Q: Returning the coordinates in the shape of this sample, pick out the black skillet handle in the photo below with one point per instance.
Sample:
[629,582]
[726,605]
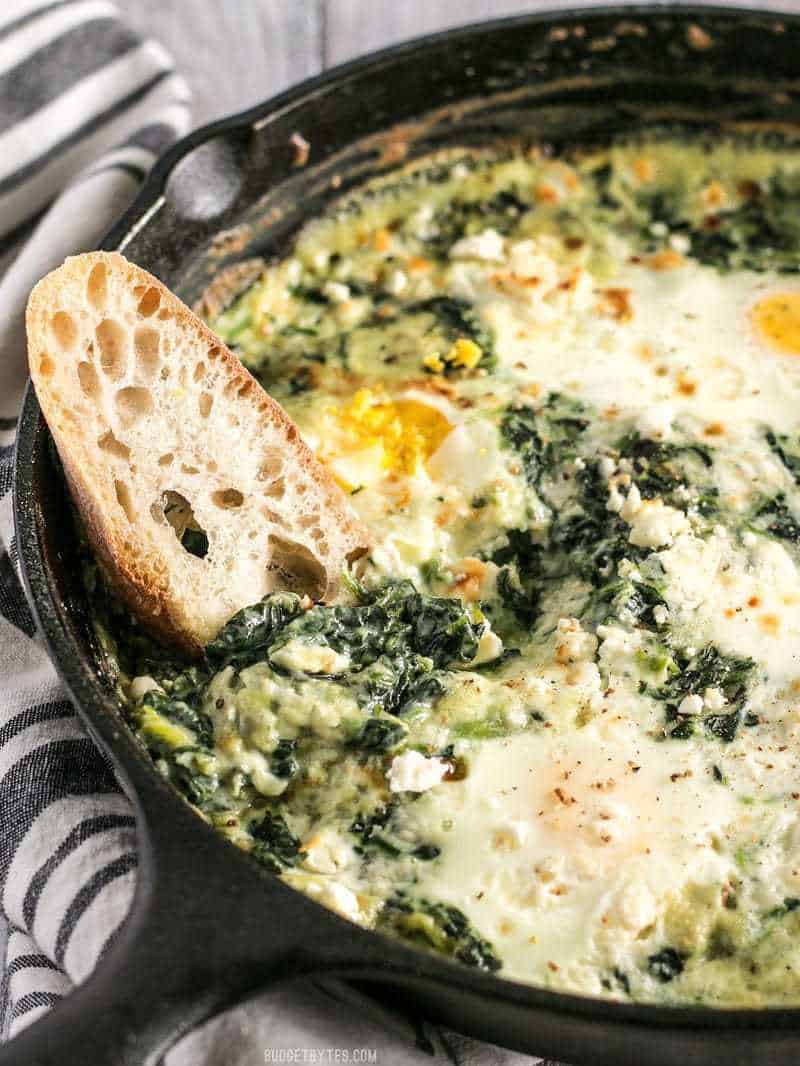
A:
[207,928]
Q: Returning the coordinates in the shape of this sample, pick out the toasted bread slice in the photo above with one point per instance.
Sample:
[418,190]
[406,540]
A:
[162,430]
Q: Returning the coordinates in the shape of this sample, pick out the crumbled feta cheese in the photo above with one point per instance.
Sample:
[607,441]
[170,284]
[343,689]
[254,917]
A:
[634,907]
[336,292]
[141,685]
[490,647]
[412,772]
[690,705]
[615,500]
[336,896]
[680,243]
[657,525]
[528,260]
[585,676]
[660,614]
[319,260]
[633,501]
[309,658]
[618,649]
[422,223]
[629,570]
[653,523]
[326,853]
[396,282]
[714,699]
[655,422]
[487,245]
[606,466]
[294,271]
[573,642]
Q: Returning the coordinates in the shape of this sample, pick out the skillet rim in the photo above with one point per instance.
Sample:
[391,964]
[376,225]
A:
[103,719]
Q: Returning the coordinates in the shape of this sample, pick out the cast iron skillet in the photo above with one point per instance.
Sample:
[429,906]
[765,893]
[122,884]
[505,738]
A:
[208,925]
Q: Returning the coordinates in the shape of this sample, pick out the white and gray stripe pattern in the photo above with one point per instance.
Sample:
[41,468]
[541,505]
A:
[86,107]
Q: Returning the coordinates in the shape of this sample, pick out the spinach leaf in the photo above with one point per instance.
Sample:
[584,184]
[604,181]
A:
[457,318]
[660,468]
[283,760]
[708,668]
[441,927]
[637,598]
[789,904]
[761,233]
[543,437]
[461,218]
[772,515]
[782,447]
[175,709]
[275,845]
[195,542]
[380,734]
[244,639]
[666,965]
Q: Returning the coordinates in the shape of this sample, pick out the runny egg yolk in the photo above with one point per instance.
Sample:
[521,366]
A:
[777,321]
[408,432]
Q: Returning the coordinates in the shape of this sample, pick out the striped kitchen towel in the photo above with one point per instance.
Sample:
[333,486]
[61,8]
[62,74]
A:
[85,108]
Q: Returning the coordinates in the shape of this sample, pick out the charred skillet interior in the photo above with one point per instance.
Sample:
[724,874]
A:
[209,926]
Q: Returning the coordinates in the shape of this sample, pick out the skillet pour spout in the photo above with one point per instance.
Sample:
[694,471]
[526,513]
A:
[209,926]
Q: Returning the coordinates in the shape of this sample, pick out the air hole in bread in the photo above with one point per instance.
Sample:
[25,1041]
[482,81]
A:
[211,466]
[164,373]
[214,353]
[164,314]
[64,330]
[295,568]
[272,516]
[166,459]
[199,371]
[47,366]
[178,512]
[243,391]
[87,376]
[132,404]
[205,403]
[276,490]
[146,344]
[109,443]
[227,498]
[97,286]
[123,492]
[186,468]
[149,302]
[112,340]
[271,466]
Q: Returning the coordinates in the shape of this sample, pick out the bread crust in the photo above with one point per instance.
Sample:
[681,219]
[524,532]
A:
[118,362]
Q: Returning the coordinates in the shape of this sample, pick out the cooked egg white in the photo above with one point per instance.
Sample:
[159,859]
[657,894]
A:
[606,830]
